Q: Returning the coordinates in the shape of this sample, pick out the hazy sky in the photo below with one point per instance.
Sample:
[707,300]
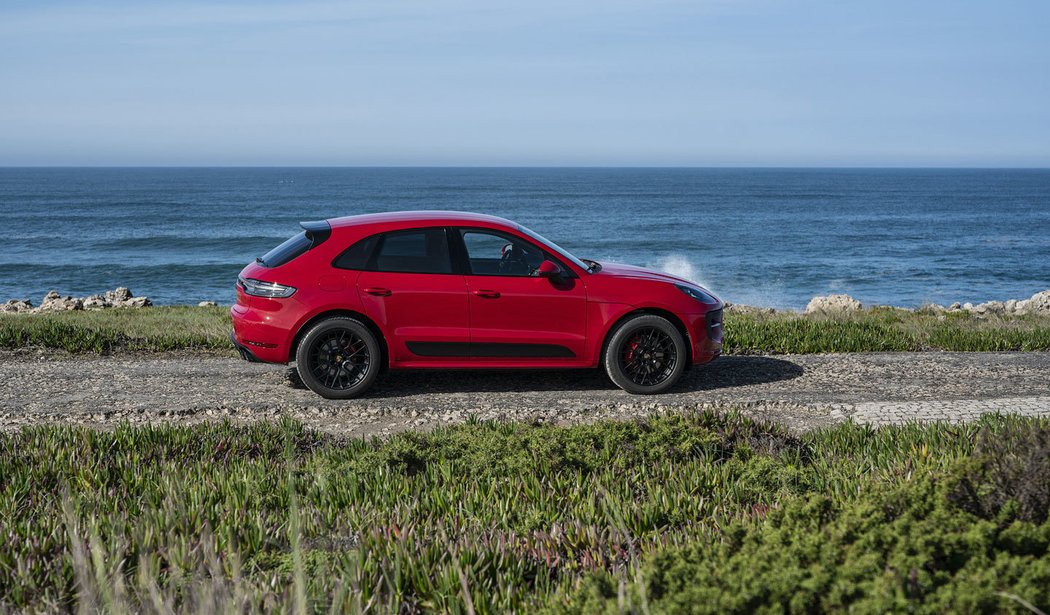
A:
[540,82]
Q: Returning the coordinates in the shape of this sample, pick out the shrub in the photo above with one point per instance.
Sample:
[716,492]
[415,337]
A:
[1011,470]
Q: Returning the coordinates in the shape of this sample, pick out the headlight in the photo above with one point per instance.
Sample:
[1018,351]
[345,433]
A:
[258,288]
[697,294]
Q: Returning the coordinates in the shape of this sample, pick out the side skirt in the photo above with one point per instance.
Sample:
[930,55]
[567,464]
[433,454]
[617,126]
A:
[489,349]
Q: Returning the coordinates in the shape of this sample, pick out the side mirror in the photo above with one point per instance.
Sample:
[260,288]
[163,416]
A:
[548,269]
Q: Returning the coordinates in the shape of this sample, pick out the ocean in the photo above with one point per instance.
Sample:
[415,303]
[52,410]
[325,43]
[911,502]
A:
[768,237]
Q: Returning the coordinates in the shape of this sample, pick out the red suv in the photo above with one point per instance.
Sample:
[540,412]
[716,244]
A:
[349,297]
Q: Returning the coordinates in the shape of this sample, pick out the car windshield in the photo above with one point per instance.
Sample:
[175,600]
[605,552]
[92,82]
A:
[555,247]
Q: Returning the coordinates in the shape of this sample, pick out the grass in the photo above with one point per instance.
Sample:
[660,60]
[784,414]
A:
[152,329]
[698,512]
[880,329]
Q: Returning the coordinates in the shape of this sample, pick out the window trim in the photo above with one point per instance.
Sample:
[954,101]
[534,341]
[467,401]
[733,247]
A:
[464,255]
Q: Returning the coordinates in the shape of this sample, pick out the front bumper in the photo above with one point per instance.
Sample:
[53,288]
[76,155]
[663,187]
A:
[705,333]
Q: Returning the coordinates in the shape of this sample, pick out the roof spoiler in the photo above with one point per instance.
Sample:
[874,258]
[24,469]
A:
[316,231]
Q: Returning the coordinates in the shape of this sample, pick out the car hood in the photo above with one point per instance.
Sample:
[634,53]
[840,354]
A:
[630,271]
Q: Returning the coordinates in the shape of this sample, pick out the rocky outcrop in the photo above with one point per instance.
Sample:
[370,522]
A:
[1037,305]
[833,304]
[17,305]
[737,308]
[54,302]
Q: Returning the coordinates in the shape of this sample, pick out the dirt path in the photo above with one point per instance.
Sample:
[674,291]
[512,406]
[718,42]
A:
[803,391]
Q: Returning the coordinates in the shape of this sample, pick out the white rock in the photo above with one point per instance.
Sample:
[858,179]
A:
[120,295]
[833,304]
[136,302]
[54,302]
[1039,304]
[95,302]
[207,304]
[17,305]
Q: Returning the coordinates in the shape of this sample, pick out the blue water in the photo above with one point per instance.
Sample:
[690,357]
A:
[772,237]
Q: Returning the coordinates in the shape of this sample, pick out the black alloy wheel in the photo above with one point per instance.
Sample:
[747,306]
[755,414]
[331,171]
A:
[645,354]
[648,356]
[338,358]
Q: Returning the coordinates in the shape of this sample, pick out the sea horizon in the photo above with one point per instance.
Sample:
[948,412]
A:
[765,236]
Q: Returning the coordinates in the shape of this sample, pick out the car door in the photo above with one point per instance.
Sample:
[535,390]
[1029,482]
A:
[412,291]
[515,315]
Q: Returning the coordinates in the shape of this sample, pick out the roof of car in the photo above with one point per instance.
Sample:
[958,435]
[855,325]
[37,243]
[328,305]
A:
[432,217]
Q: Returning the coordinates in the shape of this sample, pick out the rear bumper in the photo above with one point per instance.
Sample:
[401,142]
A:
[259,335]
[246,353]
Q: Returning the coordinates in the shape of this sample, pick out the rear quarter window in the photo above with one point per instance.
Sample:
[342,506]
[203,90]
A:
[357,255]
[288,251]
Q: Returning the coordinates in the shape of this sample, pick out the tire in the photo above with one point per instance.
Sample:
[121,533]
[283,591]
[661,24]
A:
[324,365]
[646,354]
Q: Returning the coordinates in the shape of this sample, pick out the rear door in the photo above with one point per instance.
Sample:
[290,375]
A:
[411,290]
[516,316]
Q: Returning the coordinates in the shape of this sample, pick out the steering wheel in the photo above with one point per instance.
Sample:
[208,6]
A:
[512,260]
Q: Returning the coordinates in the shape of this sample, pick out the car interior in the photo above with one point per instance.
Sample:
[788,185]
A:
[492,254]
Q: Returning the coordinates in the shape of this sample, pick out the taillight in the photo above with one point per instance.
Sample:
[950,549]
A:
[258,288]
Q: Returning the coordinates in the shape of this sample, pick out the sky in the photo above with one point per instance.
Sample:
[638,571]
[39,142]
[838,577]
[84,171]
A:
[537,83]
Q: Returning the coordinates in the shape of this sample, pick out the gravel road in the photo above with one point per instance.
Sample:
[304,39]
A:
[801,391]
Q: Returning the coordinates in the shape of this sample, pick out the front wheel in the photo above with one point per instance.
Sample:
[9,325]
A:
[338,358]
[646,354]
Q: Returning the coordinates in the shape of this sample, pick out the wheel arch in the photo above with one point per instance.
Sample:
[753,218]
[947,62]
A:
[670,316]
[365,320]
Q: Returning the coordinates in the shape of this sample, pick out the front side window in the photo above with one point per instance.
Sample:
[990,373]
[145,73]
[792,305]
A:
[415,251]
[491,253]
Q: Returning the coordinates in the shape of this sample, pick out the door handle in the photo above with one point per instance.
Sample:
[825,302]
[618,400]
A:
[487,294]
[379,292]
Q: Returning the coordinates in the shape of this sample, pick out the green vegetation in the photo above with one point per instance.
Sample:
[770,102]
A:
[176,328]
[697,512]
[882,329]
[104,331]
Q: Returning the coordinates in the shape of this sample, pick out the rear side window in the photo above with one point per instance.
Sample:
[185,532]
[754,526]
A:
[415,251]
[286,252]
[357,255]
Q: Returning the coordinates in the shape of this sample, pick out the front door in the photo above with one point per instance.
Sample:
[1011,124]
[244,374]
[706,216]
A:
[516,316]
[412,293]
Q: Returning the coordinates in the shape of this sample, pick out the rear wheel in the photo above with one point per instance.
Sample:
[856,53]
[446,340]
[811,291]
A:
[338,358]
[646,354]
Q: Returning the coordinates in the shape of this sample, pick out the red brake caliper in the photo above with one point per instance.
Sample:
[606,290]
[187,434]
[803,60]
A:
[632,345]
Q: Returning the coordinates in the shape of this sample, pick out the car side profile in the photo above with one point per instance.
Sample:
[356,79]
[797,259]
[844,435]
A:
[348,298]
